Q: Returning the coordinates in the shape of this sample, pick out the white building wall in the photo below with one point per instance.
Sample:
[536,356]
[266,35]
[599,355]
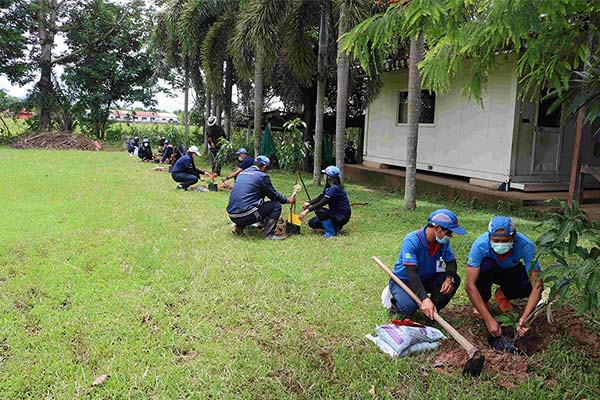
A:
[465,139]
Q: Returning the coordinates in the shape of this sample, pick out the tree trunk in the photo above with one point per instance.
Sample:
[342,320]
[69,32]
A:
[206,115]
[227,101]
[258,102]
[218,109]
[321,85]
[309,95]
[186,109]
[414,115]
[341,103]
[46,31]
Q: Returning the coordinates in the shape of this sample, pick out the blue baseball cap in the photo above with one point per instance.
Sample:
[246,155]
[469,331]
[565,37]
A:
[501,223]
[146,140]
[331,171]
[263,160]
[446,219]
[241,151]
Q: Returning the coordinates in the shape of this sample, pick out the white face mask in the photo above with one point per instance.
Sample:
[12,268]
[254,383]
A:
[444,239]
[502,248]
[240,158]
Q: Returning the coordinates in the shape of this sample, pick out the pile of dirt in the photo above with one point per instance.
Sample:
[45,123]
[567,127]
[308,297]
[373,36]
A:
[512,369]
[58,141]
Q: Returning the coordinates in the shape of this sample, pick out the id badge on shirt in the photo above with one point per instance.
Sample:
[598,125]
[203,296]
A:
[440,265]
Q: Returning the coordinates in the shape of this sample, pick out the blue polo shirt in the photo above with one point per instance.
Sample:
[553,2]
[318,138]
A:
[416,251]
[339,205]
[523,250]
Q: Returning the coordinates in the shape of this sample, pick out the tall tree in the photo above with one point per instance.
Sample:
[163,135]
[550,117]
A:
[321,84]
[116,70]
[351,12]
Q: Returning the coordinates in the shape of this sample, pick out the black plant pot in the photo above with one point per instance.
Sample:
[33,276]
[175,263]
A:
[212,187]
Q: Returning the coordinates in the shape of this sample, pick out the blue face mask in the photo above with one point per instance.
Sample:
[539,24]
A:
[502,248]
[444,240]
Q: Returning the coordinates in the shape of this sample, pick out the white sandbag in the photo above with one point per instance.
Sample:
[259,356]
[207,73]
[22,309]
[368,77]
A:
[399,341]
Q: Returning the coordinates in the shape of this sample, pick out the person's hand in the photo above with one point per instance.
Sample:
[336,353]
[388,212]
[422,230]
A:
[291,200]
[447,286]
[305,205]
[493,327]
[521,328]
[428,308]
[302,215]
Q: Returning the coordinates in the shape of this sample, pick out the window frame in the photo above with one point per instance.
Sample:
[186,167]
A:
[424,124]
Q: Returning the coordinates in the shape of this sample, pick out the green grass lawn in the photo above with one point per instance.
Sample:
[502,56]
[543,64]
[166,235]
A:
[106,269]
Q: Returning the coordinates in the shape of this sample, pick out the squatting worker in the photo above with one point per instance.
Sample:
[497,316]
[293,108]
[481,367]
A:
[504,257]
[185,172]
[246,201]
[330,219]
[427,265]
[245,161]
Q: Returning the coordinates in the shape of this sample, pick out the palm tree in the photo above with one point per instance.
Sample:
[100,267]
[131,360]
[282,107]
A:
[351,13]
[321,83]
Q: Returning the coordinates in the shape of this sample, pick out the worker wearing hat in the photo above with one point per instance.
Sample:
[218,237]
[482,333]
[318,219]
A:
[427,265]
[214,133]
[246,202]
[133,145]
[330,219]
[245,162]
[504,257]
[145,151]
[184,170]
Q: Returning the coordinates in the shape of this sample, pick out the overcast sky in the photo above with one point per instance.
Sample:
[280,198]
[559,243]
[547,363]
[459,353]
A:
[164,102]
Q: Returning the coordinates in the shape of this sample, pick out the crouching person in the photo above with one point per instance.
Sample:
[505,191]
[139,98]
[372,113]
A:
[246,201]
[428,266]
[330,219]
[502,256]
[184,170]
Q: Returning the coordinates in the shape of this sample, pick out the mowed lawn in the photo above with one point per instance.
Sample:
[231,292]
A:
[106,269]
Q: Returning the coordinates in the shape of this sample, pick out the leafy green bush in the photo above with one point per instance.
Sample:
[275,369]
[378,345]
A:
[574,248]
[226,154]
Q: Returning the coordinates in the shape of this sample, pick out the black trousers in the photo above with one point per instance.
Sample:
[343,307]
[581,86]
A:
[514,281]
[323,214]
[185,179]
[269,209]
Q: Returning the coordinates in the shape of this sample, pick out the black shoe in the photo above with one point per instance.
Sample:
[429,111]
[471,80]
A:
[236,230]
[269,229]
[179,187]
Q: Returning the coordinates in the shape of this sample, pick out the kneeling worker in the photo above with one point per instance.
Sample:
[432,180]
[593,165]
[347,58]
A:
[504,257]
[245,162]
[246,202]
[427,265]
[184,170]
[330,219]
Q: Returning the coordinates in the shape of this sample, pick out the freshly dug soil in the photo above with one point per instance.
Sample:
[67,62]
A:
[512,369]
[58,141]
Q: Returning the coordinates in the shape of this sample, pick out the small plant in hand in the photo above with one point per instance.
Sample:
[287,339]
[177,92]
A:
[292,149]
[510,320]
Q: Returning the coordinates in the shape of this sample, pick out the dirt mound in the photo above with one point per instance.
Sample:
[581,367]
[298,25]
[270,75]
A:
[512,369]
[58,141]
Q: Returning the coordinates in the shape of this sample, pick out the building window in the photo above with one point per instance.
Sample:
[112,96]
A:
[427,107]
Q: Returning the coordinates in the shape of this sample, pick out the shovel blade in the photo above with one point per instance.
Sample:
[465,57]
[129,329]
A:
[474,365]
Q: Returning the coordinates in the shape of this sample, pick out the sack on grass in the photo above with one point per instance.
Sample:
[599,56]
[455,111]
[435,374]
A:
[400,341]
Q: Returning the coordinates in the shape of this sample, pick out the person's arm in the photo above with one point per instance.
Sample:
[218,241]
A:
[317,199]
[475,297]
[449,282]
[414,282]
[271,193]
[324,200]
[234,174]
[536,286]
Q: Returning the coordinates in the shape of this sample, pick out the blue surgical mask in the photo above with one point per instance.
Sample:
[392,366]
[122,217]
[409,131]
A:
[444,240]
[502,248]
[240,158]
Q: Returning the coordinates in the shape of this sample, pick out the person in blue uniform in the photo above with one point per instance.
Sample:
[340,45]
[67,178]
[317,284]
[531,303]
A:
[333,218]
[245,161]
[184,170]
[246,202]
[145,150]
[133,145]
[428,266]
[167,152]
[504,257]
